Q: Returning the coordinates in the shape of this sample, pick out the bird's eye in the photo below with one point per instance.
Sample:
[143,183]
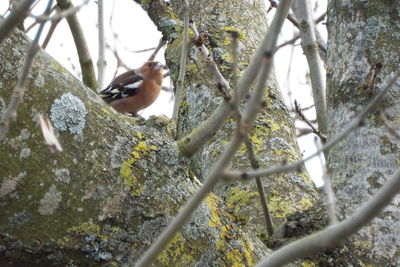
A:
[149,65]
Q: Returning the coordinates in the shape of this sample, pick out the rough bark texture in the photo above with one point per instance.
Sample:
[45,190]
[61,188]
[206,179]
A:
[362,35]
[109,193]
[273,135]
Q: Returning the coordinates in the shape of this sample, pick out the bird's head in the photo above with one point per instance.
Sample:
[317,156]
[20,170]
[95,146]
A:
[152,69]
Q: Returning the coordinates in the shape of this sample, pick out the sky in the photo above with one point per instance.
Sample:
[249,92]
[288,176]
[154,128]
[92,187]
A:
[128,28]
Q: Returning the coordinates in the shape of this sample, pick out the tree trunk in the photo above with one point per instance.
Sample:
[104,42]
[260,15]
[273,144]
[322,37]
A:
[112,190]
[363,43]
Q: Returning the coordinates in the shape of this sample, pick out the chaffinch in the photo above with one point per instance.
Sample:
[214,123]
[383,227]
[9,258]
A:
[135,89]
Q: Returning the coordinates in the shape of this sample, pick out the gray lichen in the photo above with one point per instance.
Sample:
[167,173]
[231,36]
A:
[62,175]
[68,113]
[50,202]
[2,105]
[25,152]
[9,185]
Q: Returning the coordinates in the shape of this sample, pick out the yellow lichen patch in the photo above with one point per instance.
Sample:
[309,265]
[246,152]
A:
[236,256]
[362,244]
[131,182]
[175,252]
[273,125]
[257,143]
[305,203]
[279,207]
[85,228]
[238,198]
[241,36]
[305,177]
[308,264]
[106,111]
[215,220]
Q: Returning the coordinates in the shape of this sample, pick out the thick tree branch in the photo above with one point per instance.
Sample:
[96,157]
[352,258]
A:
[217,170]
[334,234]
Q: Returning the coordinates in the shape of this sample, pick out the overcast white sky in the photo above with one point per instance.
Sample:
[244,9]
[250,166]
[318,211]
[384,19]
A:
[135,32]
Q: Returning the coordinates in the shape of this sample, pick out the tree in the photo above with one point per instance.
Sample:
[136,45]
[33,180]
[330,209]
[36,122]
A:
[119,180]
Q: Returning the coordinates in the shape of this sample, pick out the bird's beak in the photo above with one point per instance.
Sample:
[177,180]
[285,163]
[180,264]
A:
[158,66]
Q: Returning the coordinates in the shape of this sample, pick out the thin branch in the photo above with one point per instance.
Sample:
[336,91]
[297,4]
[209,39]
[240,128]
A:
[182,66]
[392,130]
[289,42]
[16,98]
[143,50]
[189,144]
[16,16]
[85,60]
[36,22]
[321,43]
[101,62]
[263,199]
[211,65]
[60,15]
[303,118]
[161,43]
[235,76]
[327,188]
[218,168]
[302,10]
[334,234]
[355,123]
[53,27]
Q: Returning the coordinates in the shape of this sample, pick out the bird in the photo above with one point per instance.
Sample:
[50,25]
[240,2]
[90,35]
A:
[135,89]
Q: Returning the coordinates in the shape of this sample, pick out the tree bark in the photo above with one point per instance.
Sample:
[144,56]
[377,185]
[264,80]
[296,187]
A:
[112,190]
[362,51]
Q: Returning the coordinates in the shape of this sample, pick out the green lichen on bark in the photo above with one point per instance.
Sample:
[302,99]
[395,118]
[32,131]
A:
[362,45]
[81,206]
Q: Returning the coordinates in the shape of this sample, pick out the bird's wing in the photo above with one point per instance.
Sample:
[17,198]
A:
[124,85]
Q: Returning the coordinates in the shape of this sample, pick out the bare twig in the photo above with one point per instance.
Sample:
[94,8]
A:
[16,98]
[334,234]
[211,65]
[161,43]
[182,66]
[302,10]
[321,43]
[235,73]
[143,50]
[36,22]
[101,62]
[85,60]
[16,16]
[53,27]
[60,15]
[392,130]
[327,188]
[189,144]
[288,42]
[351,126]
[263,199]
[217,170]
[303,118]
